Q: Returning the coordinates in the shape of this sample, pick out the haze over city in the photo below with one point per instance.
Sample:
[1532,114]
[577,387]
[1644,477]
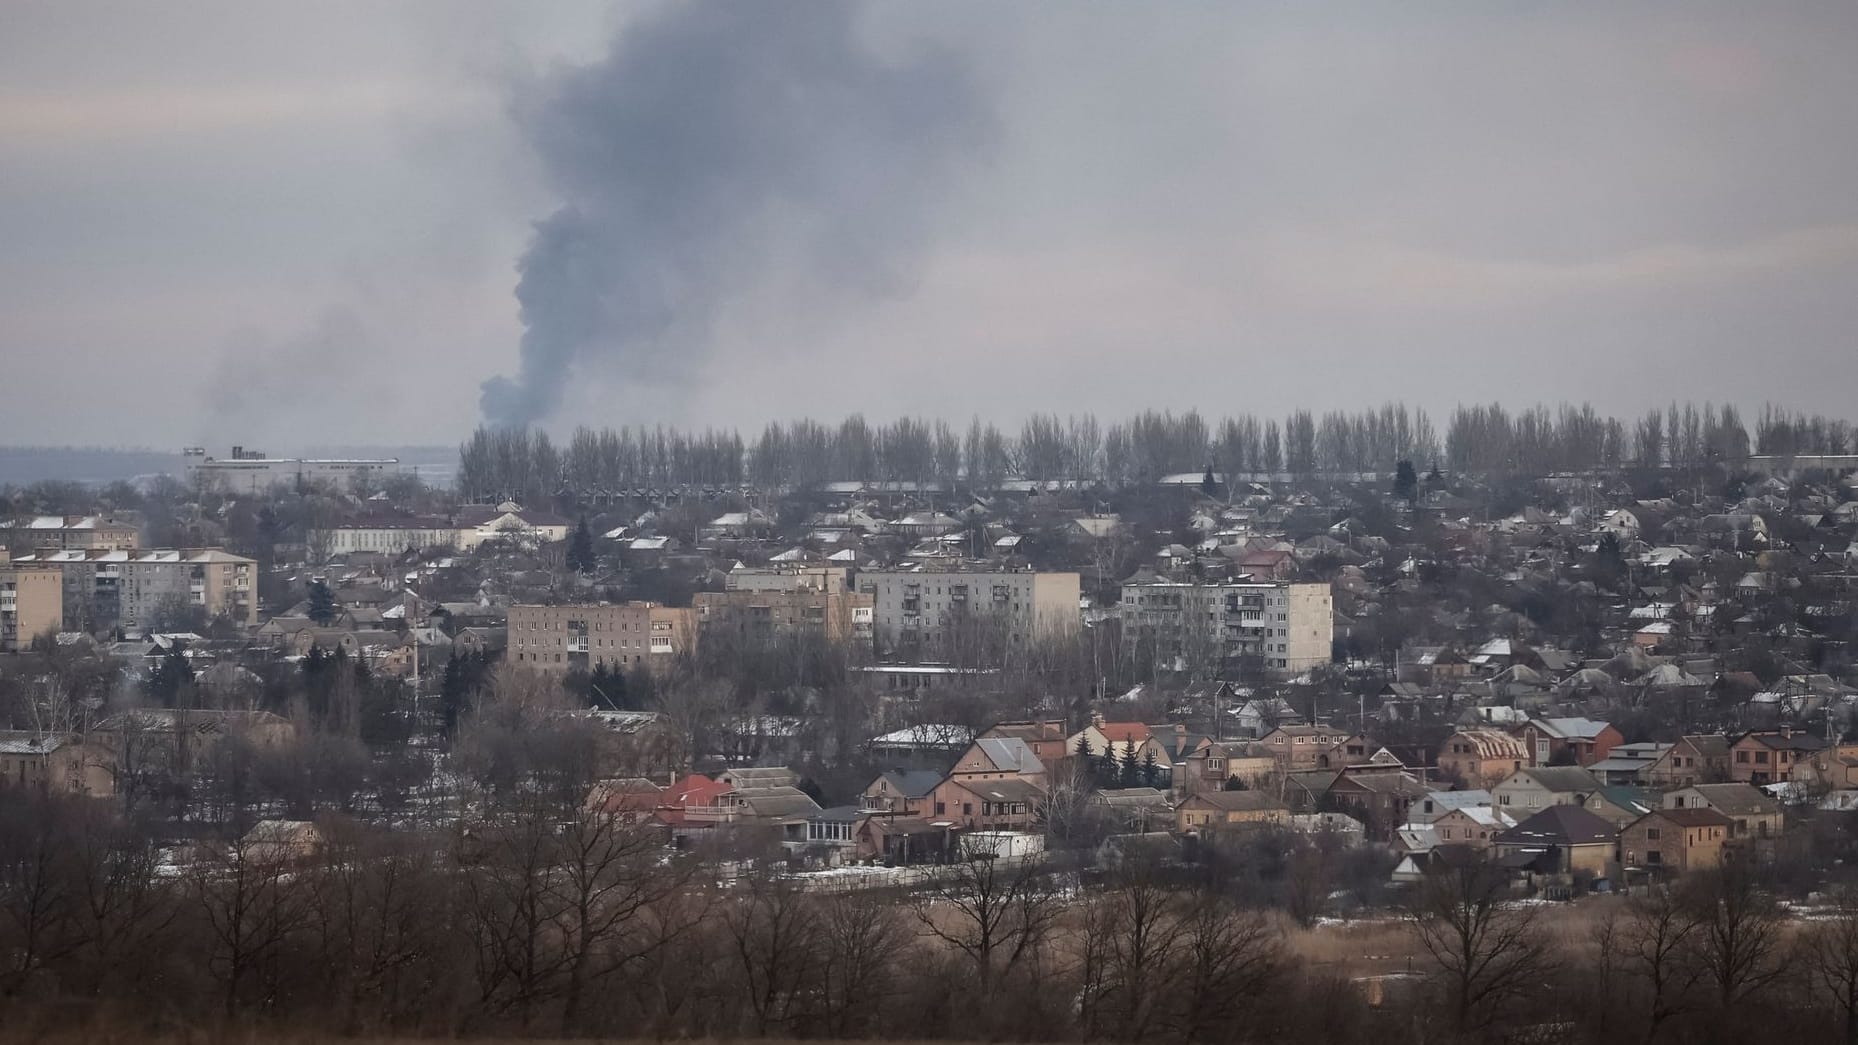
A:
[297,225]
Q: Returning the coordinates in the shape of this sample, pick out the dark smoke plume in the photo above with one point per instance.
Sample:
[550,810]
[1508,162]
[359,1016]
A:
[714,141]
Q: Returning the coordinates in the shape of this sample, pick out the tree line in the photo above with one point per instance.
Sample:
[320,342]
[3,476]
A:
[527,463]
[535,919]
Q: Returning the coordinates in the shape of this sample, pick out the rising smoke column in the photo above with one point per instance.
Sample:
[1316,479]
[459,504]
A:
[713,141]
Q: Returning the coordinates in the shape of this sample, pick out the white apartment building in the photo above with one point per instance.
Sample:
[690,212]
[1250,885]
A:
[1288,627]
[917,605]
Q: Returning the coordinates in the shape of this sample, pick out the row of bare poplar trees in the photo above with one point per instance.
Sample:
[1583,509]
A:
[501,462]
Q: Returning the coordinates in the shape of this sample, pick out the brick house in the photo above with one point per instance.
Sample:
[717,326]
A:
[1752,814]
[1217,809]
[1675,841]
[1772,757]
[1481,757]
[1694,759]
[1567,741]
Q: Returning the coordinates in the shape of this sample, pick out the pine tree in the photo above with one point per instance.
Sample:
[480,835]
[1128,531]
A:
[581,558]
[1208,485]
[170,675]
[1132,770]
[1406,482]
[1085,760]
[1151,769]
[323,609]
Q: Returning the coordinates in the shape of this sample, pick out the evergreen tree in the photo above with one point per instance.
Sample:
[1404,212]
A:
[1406,482]
[1151,769]
[581,558]
[1132,770]
[323,609]
[171,674]
[1107,771]
[1084,758]
[1208,485]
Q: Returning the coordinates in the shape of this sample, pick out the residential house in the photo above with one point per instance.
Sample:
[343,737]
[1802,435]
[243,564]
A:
[1675,841]
[1215,810]
[1694,759]
[983,801]
[1630,765]
[281,841]
[1381,798]
[999,757]
[1568,741]
[900,791]
[1481,757]
[1047,740]
[1474,826]
[1774,757]
[1138,809]
[1621,804]
[1532,789]
[1559,840]
[1298,748]
[630,800]
[1436,804]
[1752,813]
[832,834]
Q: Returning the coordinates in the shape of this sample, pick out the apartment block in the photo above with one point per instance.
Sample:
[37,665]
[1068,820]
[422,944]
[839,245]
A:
[622,636]
[106,589]
[68,532]
[31,602]
[789,577]
[1286,627]
[918,606]
[839,615]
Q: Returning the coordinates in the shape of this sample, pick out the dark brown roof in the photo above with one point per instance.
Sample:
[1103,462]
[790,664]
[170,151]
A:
[1693,817]
[1239,801]
[1560,825]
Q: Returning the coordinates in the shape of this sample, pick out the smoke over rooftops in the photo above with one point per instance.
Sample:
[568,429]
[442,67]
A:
[713,141]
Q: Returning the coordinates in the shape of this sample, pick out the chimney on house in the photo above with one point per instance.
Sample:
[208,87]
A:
[1096,719]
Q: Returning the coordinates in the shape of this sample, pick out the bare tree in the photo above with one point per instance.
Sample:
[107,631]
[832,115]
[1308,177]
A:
[995,911]
[1658,943]
[1488,950]
[610,875]
[1828,951]
[862,943]
[774,939]
[37,906]
[1739,932]
[251,909]
[1223,960]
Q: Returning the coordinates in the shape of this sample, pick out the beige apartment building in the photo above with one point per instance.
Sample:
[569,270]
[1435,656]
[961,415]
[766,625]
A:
[31,602]
[622,636]
[841,616]
[1287,627]
[105,589]
[66,532]
[918,606]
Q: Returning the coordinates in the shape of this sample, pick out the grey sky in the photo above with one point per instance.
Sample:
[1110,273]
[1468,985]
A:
[287,224]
